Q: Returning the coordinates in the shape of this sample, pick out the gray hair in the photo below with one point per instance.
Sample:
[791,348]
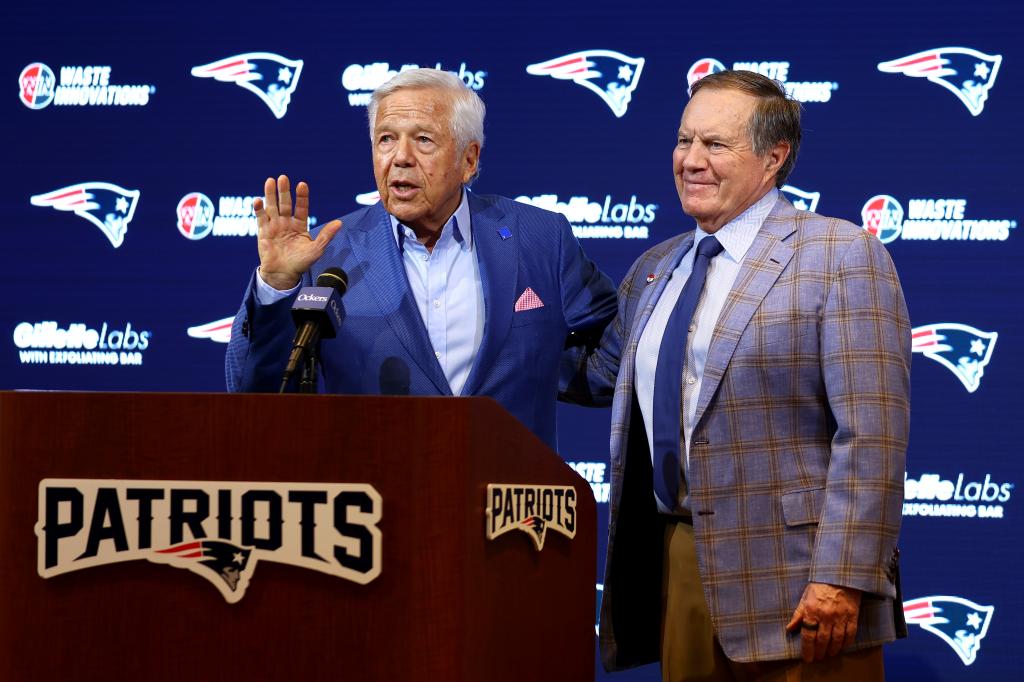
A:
[776,116]
[467,115]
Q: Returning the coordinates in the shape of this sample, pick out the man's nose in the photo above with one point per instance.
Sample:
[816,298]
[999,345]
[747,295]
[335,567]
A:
[403,152]
[696,157]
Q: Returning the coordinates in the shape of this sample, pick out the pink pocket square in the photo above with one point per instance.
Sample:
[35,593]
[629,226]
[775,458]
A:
[528,301]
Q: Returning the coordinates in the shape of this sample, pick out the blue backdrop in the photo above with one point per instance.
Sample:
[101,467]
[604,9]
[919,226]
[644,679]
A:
[139,133]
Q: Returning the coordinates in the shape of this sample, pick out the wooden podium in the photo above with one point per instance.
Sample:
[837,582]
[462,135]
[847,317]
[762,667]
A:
[447,603]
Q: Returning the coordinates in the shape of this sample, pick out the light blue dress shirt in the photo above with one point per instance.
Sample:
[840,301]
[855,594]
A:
[446,285]
[736,237]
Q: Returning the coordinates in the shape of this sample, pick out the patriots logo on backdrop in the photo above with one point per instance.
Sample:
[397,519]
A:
[218,331]
[801,200]
[958,622]
[701,68]
[612,76]
[963,350]
[103,204]
[226,565]
[368,198]
[966,73]
[270,77]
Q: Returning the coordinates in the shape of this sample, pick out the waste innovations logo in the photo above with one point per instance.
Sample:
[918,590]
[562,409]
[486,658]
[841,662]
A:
[601,219]
[958,622]
[107,206]
[269,76]
[47,343]
[218,331]
[86,86]
[963,71]
[360,80]
[610,75]
[958,497]
[929,220]
[594,473]
[230,216]
[217,530]
[801,91]
[963,350]
[801,200]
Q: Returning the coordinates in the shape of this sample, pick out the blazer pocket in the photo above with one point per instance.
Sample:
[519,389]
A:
[536,316]
[762,335]
[802,507]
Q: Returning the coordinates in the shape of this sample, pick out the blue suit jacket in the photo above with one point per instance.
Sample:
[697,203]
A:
[383,346]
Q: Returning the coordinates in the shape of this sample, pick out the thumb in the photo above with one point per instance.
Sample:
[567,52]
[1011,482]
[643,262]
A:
[327,232]
[798,616]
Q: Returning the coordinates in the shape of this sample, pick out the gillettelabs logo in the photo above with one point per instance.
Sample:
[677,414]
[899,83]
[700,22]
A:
[801,91]
[270,77]
[78,86]
[362,79]
[610,75]
[929,220]
[958,622]
[47,343]
[962,349]
[105,205]
[605,220]
[933,496]
[963,71]
[218,530]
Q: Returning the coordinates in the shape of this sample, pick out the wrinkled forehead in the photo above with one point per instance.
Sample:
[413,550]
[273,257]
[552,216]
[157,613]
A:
[414,104]
[722,111]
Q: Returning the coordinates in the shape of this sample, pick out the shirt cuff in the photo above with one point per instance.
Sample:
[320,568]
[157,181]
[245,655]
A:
[268,295]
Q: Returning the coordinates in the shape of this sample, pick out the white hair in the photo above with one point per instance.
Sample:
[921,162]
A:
[467,115]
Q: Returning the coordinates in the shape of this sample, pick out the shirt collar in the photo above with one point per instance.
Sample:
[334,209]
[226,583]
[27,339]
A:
[738,234]
[459,226]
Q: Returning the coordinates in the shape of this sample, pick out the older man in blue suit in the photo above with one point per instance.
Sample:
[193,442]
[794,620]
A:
[759,372]
[450,293]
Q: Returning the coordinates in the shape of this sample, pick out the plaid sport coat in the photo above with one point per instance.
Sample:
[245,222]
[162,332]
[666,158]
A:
[797,456]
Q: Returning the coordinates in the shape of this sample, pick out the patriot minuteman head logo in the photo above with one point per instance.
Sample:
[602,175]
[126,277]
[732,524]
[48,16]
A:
[610,75]
[270,77]
[958,622]
[966,73]
[963,350]
[228,566]
[103,204]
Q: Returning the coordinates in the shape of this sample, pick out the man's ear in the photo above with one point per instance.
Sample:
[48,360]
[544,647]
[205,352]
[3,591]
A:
[776,156]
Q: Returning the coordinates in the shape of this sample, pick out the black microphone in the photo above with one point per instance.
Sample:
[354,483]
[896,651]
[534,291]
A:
[318,314]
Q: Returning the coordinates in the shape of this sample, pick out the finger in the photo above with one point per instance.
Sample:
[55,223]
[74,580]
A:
[794,622]
[327,233]
[807,638]
[270,197]
[284,196]
[838,640]
[824,634]
[261,216]
[302,201]
[851,633]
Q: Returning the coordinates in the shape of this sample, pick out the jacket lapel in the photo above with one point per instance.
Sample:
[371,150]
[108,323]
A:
[380,263]
[499,267]
[764,262]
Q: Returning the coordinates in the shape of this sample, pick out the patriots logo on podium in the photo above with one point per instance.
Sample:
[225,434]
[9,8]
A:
[612,76]
[801,200]
[966,73]
[218,331]
[958,622]
[963,350]
[103,204]
[224,564]
[270,77]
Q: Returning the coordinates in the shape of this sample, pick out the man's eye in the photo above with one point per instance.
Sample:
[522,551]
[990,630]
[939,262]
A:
[386,138]
[684,142]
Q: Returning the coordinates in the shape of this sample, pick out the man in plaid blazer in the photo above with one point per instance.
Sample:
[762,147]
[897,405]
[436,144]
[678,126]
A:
[781,543]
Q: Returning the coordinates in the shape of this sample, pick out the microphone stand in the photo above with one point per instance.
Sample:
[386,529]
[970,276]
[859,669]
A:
[308,380]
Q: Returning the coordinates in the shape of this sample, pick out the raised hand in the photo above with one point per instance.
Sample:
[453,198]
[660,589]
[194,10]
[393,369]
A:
[285,246]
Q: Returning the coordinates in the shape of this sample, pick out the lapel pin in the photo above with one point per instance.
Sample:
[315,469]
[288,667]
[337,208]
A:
[651,277]
[505,233]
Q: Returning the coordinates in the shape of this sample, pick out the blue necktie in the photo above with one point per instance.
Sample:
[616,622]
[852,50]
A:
[668,377]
